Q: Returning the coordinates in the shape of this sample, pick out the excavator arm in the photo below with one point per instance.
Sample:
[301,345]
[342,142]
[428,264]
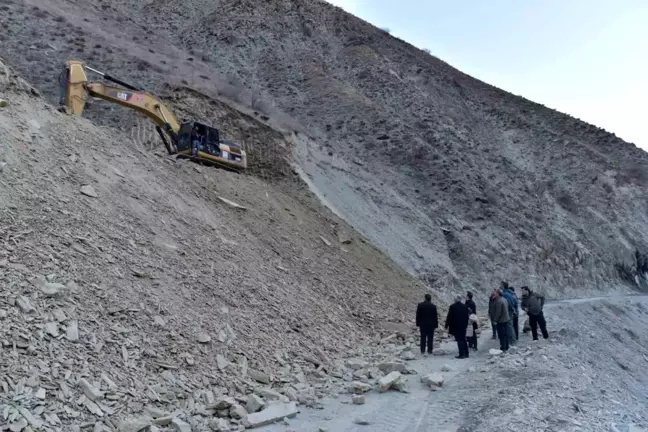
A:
[76,89]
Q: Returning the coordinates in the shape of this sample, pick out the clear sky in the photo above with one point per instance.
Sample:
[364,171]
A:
[588,58]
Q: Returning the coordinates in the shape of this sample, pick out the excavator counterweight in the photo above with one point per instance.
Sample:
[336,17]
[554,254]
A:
[193,140]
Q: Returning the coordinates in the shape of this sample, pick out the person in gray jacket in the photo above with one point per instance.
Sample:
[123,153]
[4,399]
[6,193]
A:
[500,317]
[533,303]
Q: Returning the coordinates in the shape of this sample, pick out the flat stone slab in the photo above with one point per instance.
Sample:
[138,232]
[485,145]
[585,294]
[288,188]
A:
[272,414]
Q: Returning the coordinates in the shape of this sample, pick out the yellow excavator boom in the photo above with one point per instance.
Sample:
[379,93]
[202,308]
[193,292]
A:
[78,88]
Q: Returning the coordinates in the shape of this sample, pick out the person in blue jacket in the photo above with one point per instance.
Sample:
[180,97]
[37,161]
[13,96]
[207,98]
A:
[512,309]
[516,312]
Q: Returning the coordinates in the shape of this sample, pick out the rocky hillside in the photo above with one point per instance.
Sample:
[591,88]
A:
[461,183]
[132,280]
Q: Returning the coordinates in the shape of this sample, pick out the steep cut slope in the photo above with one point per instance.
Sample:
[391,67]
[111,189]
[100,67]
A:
[461,183]
[119,261]
[458,178]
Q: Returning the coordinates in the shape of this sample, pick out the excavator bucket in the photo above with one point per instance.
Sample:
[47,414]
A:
[73,93]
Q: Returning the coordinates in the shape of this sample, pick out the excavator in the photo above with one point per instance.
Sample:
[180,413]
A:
[189,140]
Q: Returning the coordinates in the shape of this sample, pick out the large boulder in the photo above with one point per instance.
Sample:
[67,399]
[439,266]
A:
[359,387]
[433,380]
[385,383]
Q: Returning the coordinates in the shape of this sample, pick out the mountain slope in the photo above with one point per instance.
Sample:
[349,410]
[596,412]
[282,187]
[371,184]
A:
[125,262]
[461,183]
[458,178]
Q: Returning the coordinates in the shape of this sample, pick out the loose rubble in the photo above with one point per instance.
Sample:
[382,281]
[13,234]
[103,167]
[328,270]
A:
[126,304]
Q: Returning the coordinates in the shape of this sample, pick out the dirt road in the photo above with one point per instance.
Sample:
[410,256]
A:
[417,411]
[551,385]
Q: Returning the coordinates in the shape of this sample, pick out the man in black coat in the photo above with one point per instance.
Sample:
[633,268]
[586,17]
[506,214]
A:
[427,321]
[457,323]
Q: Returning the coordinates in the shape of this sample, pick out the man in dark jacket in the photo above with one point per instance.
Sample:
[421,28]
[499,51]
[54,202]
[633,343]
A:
[427,321]
[472,307]
[456,323]
[500,317]
[533,303]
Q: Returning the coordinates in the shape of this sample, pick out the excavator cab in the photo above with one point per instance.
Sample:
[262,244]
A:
[199,141]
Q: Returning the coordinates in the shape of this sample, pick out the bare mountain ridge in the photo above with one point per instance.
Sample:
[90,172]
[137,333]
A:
[461,183]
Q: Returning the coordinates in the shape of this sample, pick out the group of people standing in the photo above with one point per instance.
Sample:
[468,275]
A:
[462,322]
[504,313]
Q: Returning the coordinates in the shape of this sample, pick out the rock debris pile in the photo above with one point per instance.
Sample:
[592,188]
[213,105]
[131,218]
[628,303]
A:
[52,386]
